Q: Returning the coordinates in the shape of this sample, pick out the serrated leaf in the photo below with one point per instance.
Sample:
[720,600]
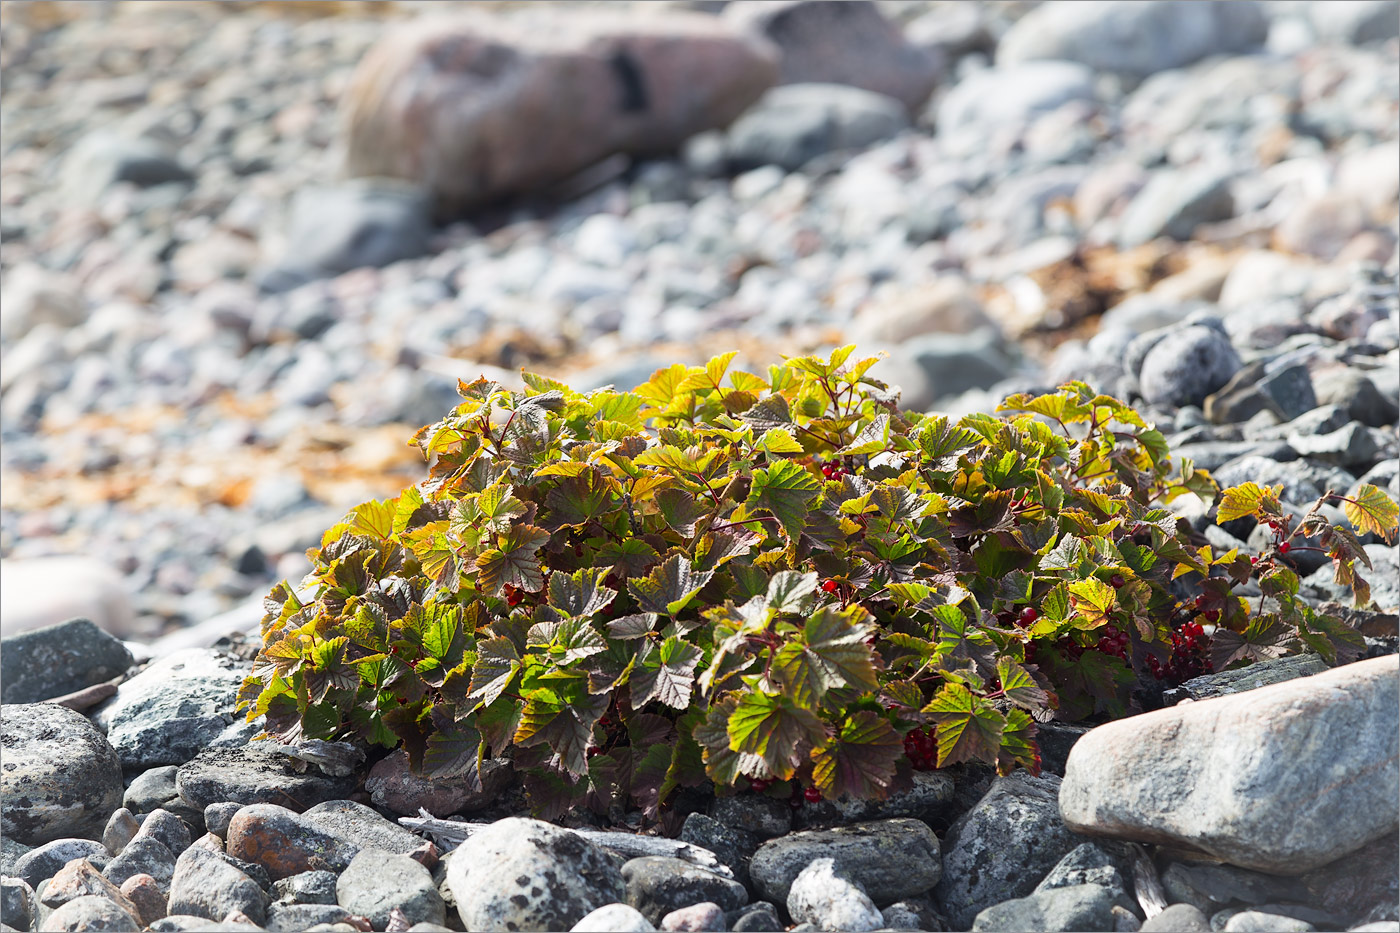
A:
[453,752]
[778,441]
[580,593]
[1093,600]
[513,562]
[1248,499]
[637,625]
[791,591]
[785,491]
[498,507]
[775,729]
[722,763]
[873,438]
[577,500]
[563,723]
[680,510]
[768,414]
[968,728]
[716,548]
[669,586]
[497,661]
[1370,509]
[831,653]
[1018,745]
[1019,687]
[859,760]
[665,673]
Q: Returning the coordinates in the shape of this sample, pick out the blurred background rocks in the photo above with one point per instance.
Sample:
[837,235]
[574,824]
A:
[247,248]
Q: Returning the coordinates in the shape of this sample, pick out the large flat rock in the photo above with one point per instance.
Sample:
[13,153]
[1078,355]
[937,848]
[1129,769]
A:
[1282,779]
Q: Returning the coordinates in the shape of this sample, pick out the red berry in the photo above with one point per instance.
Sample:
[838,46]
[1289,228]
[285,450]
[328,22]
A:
[758,785]
[1254,560]
[830,586]
[1212,615]
[1201,601]
[813,795]
[1284,547]
[1029,615]
[1111,631]
[1117,581]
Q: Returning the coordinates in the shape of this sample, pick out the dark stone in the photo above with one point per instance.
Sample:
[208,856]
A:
[657,885]
[57,660]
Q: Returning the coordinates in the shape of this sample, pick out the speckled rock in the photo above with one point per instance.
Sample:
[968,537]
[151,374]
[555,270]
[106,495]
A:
[360,826]
[58,659]
[657,885]
[890,859]
[91,912]
[377,883]
[613,918]
[60,777]
[521,874]
[255,773]
[147,896]
[1187,365]
[1002,847]
[1077,907]
[829,900]
[43,862]
[1282,779]
[172,710]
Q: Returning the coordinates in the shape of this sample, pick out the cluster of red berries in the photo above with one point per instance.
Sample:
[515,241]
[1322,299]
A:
[1189,656]
[830,586]
[833,471]
[921,750]
[1113,642]
[809,794]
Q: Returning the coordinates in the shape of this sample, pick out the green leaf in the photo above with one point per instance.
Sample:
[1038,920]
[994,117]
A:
[1370,509]
[666,673]
[784,490]
[513,561]
[577,500]
[872,439]
[831,653]
[564,723]
[626,558]
[722,763]
[669,586]
[498,508]
[775,729]
[1018,745]
[1020,688]
[778,441]
[968,727]
[859,760]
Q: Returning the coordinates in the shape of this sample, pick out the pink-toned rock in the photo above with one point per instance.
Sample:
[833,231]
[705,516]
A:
[1321,227]
[1282,779]
[144,893]
[477,108]
[80,879]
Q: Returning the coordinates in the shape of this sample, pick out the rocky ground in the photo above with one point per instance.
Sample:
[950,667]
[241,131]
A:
[213,343]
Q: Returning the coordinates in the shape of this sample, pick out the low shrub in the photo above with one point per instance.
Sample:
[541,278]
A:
[720,577]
